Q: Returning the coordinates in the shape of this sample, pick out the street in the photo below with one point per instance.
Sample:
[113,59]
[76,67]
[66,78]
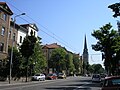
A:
[71,83]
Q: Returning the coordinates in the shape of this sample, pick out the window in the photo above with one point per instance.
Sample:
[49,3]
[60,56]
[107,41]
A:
[1,46]
[20,39]
[31,33]
[3,31]
[10,32]
[4,16]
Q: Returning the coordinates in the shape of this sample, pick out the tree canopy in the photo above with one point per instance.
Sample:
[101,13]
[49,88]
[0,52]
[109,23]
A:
[106,43]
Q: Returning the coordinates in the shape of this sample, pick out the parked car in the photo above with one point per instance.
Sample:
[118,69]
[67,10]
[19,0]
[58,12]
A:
[39,77]
[96,78]
[111,83]
[62,75]
[51,76]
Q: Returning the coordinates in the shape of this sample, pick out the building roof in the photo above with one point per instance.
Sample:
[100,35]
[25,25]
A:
[30,25]
[5,8]
[52,46]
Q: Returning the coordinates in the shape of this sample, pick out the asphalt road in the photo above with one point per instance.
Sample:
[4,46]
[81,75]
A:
[71,83]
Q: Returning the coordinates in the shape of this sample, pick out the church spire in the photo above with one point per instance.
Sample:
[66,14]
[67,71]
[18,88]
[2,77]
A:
[85,51]
[85,57]
[85,46]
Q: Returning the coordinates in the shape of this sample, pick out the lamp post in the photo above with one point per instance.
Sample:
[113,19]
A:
[12,46]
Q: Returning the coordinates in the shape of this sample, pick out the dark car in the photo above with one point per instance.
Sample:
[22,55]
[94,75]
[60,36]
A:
[96,78]
[111,83]
[51,76]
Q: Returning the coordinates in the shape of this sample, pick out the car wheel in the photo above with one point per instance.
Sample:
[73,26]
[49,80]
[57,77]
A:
[43,79]
[39,79]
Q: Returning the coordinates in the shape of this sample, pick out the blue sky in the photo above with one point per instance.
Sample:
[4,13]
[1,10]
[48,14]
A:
[66,21]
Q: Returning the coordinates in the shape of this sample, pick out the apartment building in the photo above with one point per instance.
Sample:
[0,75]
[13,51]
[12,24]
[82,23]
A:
[12,34]
[48,48]
[5,16]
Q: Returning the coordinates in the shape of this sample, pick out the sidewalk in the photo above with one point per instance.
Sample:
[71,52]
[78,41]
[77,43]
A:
[6,83]
[14,82]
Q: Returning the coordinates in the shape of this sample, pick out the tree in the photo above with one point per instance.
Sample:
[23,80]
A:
[27,49]
[77,64]
[3,70]
[57,60]
[16,63]
[69,63]
[105,42]
[38,61]
[98,68]
[116,9]
[91,69]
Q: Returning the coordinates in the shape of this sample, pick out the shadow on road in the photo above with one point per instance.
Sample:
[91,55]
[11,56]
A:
[78,86]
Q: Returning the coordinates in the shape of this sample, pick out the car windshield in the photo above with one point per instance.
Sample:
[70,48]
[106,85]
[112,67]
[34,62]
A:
[37,74]
[60,73]
[50,74]
[96,76]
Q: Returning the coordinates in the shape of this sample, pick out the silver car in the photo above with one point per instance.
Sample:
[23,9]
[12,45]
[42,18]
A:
[38,77]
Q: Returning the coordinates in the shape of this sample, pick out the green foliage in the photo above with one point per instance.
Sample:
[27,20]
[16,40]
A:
[16,63]
[77,63]
[3,70]
[27,47]
[116,9]
[96,68]
[69,63]
[57,59]
[38,60]
[106,43]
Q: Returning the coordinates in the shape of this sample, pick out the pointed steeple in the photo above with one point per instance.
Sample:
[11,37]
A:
[85,46]
[85,57]
[85,51]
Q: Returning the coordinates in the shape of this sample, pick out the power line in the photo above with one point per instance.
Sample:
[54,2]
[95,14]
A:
[63,41]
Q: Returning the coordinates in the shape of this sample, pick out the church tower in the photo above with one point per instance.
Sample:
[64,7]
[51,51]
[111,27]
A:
[85,57]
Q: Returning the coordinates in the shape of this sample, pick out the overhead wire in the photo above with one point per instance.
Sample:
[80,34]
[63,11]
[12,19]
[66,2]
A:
[63,41]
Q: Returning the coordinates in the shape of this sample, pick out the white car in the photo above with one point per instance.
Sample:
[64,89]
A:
[38,77]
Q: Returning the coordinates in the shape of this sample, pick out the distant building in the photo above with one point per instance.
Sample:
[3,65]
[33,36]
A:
[85,57]
[47,50]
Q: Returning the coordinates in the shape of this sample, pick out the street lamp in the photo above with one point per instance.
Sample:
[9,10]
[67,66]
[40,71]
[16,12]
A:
[12,46]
